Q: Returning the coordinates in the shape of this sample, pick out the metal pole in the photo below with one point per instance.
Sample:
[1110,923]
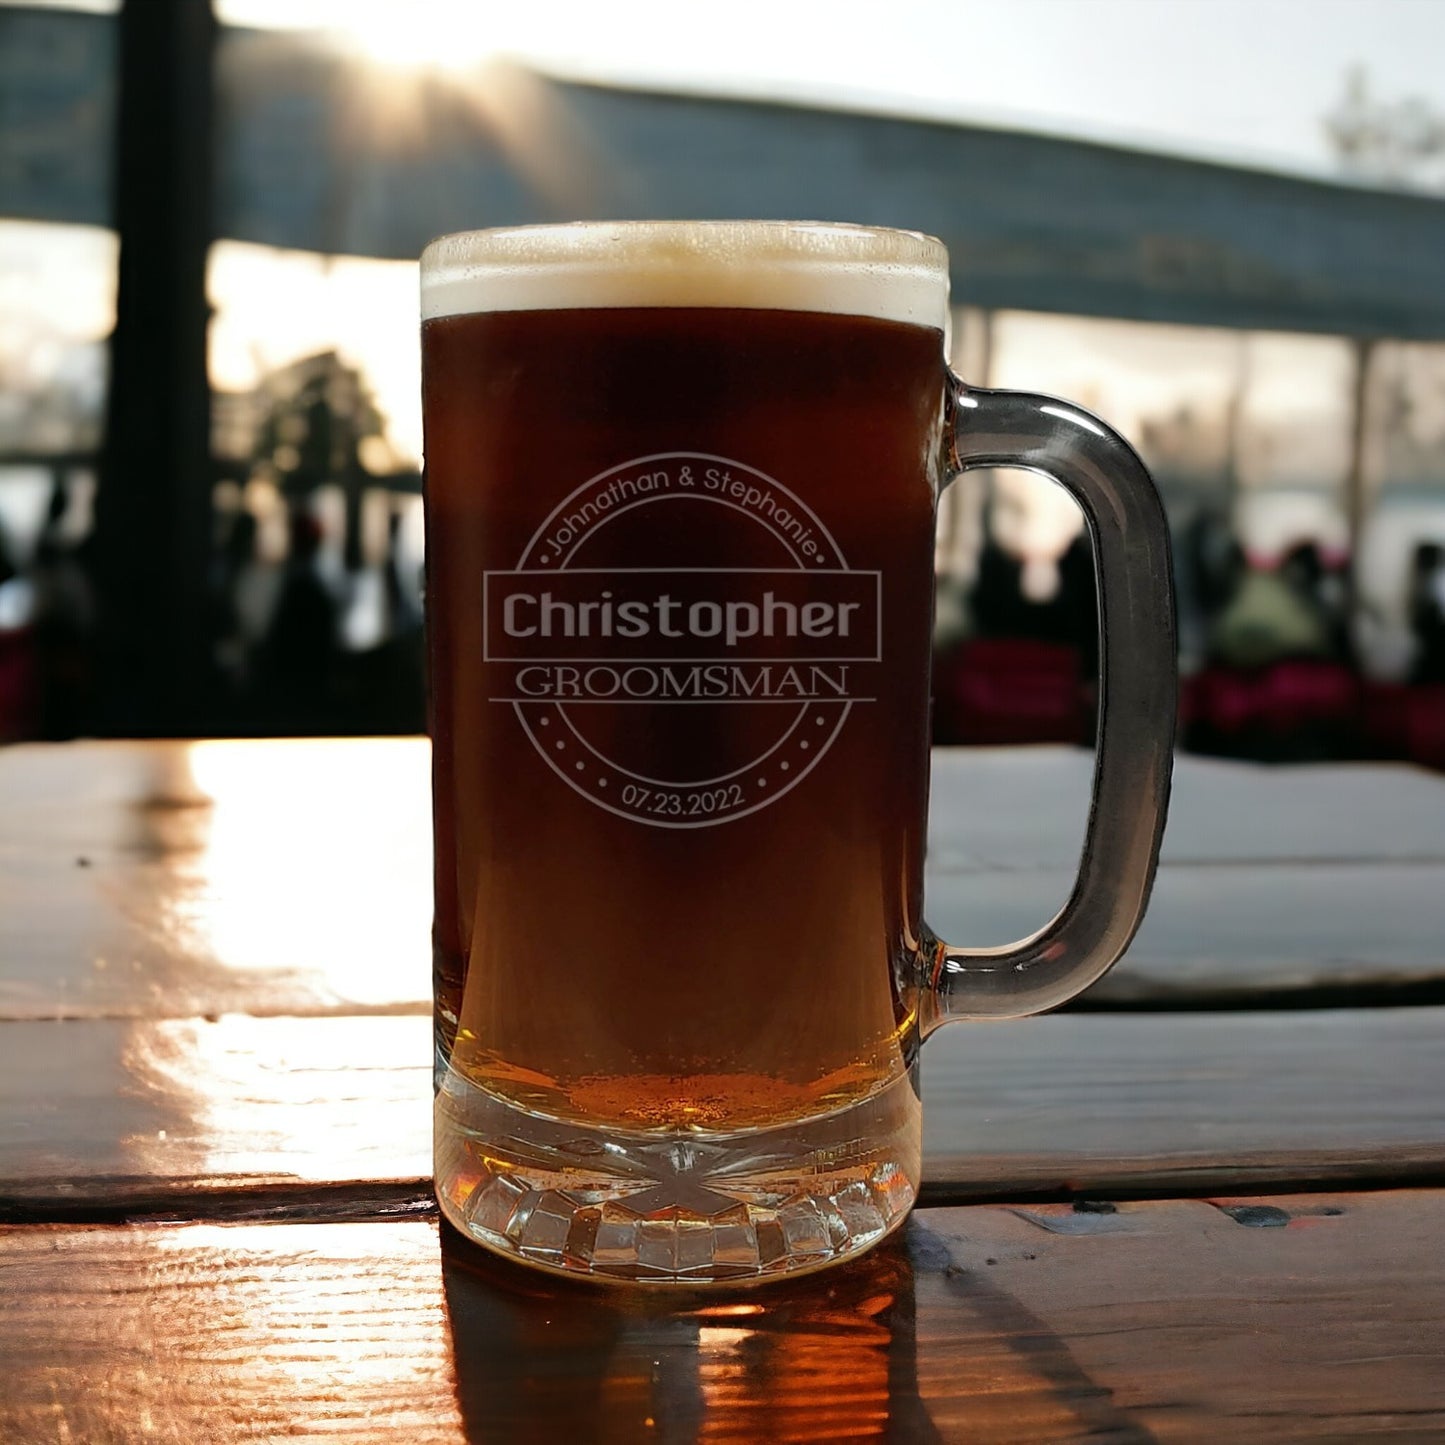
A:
[153,506]
[1356,483]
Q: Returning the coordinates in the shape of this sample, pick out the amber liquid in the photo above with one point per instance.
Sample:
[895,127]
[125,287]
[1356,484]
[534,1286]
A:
[589,966]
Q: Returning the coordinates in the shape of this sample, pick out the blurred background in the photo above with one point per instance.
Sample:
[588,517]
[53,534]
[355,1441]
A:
[1221,225]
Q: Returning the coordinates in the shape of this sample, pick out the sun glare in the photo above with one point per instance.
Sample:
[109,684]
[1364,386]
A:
[453,35]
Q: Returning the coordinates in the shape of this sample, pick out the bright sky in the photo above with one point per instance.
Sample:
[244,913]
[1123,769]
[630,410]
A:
[1245,79]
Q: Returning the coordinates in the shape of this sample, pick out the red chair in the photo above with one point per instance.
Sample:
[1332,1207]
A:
[992,690]
[1426,725]
[1295,696]
[1385,708]
[1296,708]
[19,685]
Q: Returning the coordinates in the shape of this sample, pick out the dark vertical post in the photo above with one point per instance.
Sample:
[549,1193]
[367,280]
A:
[1356,482]
[153,507]
[1234,424]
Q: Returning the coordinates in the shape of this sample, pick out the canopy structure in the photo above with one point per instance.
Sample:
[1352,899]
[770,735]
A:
[315,151]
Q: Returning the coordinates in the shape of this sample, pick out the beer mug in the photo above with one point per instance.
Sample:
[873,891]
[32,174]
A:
[681,487]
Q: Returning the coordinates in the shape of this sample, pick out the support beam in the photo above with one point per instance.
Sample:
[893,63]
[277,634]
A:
[153,507]
[1357,483]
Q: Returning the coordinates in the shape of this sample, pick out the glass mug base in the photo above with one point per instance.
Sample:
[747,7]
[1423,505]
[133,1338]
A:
[678,1206]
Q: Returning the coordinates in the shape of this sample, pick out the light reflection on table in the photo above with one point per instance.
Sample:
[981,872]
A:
[282,1098]
[308,838]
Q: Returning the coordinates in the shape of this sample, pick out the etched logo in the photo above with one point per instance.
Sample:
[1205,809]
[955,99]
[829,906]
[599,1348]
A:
[666,687]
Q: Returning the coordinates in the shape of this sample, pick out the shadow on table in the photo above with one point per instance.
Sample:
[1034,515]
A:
[829,1357]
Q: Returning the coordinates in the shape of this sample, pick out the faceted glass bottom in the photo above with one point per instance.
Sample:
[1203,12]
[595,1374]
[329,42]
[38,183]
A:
[676,1207]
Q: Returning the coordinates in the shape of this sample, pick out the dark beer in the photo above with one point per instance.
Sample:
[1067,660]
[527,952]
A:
[721,976]
[679,563]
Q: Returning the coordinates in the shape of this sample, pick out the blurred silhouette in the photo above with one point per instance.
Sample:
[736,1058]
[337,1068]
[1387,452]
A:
[1409,721]
[8,570]
[403,593]
[296,670]
[64,622]
[1324,586]
[314,613]
[1021,667]
[1270,617]
[1278,684]
[1427,612]
[1214,558]
[19,673]
[235,556]
[397,665]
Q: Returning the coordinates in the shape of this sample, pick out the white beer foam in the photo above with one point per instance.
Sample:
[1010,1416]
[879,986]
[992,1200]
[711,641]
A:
[764,265]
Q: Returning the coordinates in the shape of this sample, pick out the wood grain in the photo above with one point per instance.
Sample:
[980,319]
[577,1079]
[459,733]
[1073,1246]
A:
[1317,1317]
[167,880]
[1024,808]
[1232,933]
[1293,1318]
[107,1118]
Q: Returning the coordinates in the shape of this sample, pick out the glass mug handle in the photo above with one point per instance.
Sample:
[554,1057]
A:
[1138,699]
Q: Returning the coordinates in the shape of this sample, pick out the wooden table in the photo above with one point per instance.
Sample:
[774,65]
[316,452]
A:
[1207,1206]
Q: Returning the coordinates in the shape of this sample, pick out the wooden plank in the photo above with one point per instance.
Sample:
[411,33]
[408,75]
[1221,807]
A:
[177,879]
[1226,935]
[139,1111]
[1006,809]
[1319,1317]
[1079,1103]
[172,879]
[1160,1321]
[108,1117]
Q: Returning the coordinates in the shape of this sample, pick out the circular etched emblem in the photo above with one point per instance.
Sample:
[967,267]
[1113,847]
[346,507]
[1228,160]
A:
[656,679]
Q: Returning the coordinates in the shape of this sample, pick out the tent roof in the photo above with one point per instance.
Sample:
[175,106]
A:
[316,154]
